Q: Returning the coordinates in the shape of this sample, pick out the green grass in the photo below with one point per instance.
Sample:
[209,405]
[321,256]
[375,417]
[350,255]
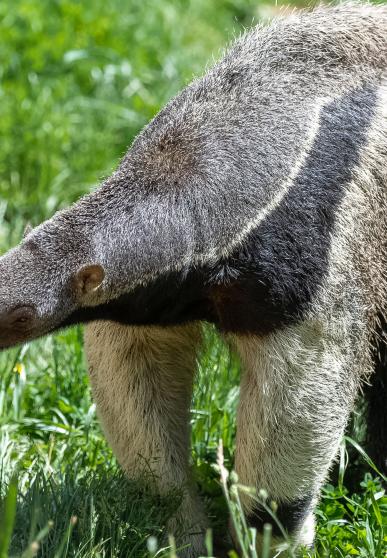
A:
[78,80]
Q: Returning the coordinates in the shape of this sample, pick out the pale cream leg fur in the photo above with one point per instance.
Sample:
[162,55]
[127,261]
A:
[297,389]
[141,379]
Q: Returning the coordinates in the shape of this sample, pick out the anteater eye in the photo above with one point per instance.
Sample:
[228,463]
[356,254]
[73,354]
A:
[22,314]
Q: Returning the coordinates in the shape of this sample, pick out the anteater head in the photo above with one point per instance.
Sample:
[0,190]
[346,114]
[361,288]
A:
[42,282]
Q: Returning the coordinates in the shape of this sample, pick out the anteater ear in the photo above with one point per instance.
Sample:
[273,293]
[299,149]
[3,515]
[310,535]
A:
[89,278]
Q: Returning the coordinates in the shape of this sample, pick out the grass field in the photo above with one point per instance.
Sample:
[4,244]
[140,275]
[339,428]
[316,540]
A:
[77,81]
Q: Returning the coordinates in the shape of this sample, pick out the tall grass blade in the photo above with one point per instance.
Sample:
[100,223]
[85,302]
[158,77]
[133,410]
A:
[365,456]
[7,517]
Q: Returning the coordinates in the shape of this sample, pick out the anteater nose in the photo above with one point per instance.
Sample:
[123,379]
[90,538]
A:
[21,314]
[15,321]
[16,325]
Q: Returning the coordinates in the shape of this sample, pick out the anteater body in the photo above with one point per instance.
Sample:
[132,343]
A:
[256,201]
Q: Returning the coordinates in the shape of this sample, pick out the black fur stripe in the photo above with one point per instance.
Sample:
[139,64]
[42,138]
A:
[282,263]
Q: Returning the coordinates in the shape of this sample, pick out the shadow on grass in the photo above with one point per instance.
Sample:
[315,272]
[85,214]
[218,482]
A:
[115,516]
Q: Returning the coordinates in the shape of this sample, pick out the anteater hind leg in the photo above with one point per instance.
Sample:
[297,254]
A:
[297,390]
[142,384]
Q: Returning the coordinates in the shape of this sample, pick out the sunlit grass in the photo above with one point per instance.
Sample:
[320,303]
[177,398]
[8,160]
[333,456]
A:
[50,436]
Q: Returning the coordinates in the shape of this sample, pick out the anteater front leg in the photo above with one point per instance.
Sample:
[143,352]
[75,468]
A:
[297,390]
[142,380]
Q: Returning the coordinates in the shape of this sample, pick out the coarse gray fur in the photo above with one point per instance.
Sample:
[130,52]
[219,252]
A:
[215,167]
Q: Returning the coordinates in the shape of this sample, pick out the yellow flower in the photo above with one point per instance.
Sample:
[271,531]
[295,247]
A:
[18,368]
